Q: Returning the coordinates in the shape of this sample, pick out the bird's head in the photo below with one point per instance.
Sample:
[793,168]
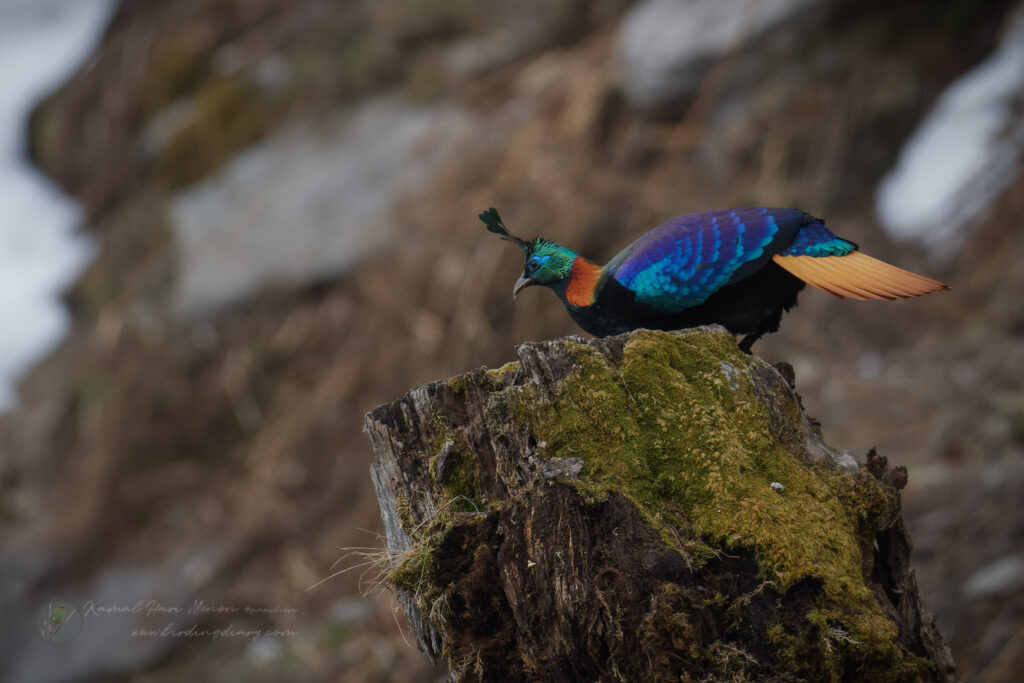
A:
[547,263]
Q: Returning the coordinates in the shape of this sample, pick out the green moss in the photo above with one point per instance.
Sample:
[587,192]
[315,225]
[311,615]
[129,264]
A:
[405,519]
[497,376]
[415,575]
[420,574]
[463,478]
[783,643]
[666,630]
[456,468]
[457,384]
[175,70]
[228,117]
[46,128]
[677,429]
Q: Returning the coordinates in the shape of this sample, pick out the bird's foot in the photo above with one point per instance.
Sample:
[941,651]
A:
[747,342]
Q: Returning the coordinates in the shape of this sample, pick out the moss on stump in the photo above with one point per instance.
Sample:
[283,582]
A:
[651,506]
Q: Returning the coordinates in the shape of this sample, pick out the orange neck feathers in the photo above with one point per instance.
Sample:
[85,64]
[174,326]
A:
[580,290]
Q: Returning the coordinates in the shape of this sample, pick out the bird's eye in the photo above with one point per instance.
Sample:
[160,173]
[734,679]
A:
[532,265]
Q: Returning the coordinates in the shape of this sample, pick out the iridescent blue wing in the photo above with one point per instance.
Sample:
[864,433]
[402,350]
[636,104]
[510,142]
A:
[682,262]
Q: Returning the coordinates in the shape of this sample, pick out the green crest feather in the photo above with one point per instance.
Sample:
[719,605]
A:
[493,222]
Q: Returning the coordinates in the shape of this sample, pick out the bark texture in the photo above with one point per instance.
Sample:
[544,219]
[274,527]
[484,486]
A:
[652,506]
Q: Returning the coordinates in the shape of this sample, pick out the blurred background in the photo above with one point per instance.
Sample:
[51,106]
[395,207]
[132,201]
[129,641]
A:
[228,228]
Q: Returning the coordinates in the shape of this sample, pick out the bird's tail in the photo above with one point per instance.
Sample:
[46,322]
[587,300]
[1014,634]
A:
[857,276]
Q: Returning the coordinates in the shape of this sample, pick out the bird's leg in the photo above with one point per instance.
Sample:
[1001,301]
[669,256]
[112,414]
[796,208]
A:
[747,342]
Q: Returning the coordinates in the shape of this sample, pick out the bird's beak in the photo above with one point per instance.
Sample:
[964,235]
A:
[521,284]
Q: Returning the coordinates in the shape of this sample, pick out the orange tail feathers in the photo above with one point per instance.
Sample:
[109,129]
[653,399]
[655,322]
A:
[858,276]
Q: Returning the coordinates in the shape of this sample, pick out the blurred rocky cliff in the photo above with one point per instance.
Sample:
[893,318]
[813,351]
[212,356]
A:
[285,200]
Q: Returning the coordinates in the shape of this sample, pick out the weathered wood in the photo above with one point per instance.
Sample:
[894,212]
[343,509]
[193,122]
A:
[651,506]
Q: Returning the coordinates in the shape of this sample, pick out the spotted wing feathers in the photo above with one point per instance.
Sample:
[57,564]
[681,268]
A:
[682,262]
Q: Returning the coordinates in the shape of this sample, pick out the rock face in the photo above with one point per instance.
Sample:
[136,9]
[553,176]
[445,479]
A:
[307,204]
[644,507]
[667,46]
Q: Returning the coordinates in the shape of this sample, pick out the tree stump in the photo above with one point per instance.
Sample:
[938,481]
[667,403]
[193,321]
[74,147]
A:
[651,506]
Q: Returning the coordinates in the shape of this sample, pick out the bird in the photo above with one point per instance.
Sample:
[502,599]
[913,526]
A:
[739,268]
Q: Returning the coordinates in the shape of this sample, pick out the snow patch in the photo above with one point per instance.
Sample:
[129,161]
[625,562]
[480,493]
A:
[666,46]
[41,42]
[963,156]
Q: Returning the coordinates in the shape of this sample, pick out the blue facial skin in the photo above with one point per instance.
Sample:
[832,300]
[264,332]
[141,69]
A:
[535,263]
